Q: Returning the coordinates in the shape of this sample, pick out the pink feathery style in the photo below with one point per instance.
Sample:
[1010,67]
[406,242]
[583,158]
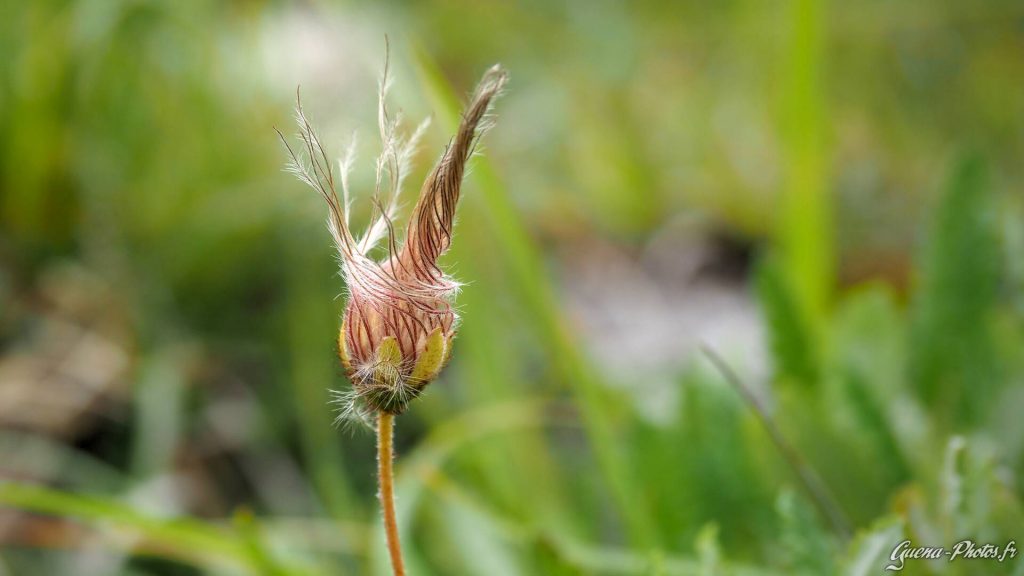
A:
[399,322]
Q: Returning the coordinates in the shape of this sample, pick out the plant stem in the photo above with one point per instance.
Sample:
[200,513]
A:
[810,480]
[385,478]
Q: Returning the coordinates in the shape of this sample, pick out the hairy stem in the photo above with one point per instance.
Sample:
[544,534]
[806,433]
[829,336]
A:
[385,478]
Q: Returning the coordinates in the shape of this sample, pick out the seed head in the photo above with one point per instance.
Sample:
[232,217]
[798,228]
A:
[399,322]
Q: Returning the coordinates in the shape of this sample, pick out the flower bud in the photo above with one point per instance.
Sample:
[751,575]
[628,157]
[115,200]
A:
[399,323]
[389,362]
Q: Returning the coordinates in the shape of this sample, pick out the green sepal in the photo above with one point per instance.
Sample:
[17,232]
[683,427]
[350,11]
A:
[346,359]
[389,362]
[431,360]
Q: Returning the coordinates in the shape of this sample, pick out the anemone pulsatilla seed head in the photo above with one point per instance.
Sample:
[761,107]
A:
[399,322]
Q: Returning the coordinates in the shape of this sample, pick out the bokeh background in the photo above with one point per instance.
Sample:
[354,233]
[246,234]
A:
[829,196]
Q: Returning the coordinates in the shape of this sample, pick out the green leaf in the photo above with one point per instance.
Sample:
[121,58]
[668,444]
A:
[951,359]
[804,543]
[793,350]
[868,553]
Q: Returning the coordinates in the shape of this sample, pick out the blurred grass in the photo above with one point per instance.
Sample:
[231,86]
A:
[867,155]
[806,224]
[192,540]
[528,277]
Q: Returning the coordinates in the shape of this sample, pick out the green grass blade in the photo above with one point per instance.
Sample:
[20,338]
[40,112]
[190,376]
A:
[805,228]
[189,539]
[527,273]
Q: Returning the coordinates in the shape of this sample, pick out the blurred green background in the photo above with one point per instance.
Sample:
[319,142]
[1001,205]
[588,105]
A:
[829,195]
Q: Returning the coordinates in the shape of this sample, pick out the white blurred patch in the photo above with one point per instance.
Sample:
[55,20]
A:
[644,316]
